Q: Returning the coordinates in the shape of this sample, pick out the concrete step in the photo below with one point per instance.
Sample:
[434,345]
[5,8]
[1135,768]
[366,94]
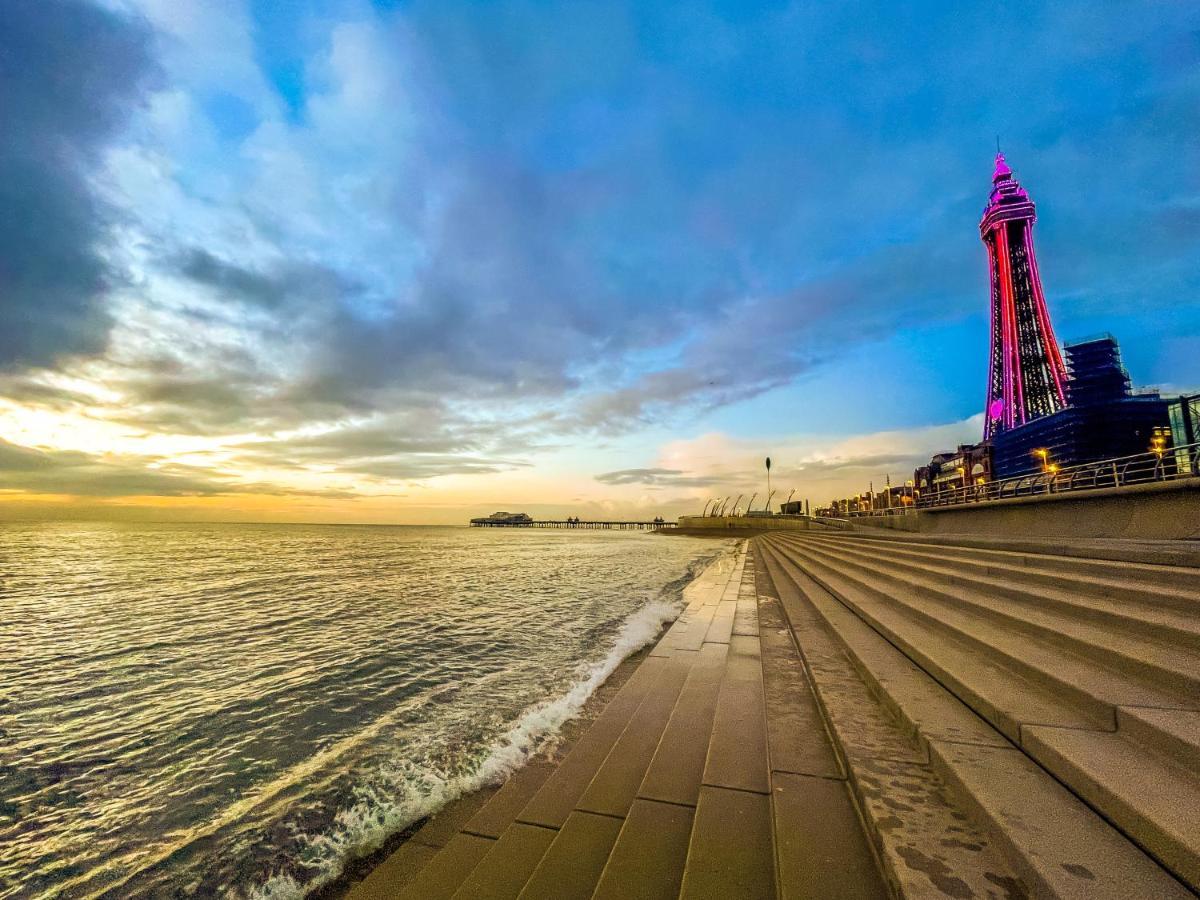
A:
[1164,563]
[1059,842]
[1003,695]
[1119,598]
[1154,801]
[1173,733]
[1111,644]
[925,843]
[1074,674]
[924,708]
[1059,847]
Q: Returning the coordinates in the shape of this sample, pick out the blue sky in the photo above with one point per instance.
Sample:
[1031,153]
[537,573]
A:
[399,261]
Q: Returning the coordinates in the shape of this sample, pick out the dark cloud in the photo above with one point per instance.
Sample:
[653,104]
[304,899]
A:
[70,74]
[91,475]
[293,284]
[658,478]
[409,446]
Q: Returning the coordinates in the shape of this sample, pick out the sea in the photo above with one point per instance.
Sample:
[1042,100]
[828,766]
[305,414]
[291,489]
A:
[239,710]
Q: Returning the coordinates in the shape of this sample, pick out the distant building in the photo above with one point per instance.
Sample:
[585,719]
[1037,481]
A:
[969,464]
[503,518]
[1105,418]
[1184,416]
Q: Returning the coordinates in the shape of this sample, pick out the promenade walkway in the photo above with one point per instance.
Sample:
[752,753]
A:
[839,717]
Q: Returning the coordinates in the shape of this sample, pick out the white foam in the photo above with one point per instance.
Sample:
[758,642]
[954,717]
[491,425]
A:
[406,794]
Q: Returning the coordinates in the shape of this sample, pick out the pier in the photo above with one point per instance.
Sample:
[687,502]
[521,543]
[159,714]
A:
[591,525]
[868,715]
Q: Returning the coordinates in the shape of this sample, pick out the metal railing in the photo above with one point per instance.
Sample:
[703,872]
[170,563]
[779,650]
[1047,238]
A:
[1169,464]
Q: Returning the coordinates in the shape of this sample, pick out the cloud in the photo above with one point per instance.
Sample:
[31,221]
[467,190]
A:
[443,239]
[80,474]
[656,478]
[71,74]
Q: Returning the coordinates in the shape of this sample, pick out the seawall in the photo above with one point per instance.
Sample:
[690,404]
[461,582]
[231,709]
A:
[1167,510]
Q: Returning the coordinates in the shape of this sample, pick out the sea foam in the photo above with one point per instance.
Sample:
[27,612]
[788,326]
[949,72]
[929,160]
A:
[405,793]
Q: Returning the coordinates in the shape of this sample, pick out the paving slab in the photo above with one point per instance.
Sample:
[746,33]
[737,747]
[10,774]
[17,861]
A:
[677,768]
[796,737]
[398,869]
[820,846]
[505,804]
[572,866]
[745,619]
[507,866]
[730,854]
[444,825]
[615,784]
[737,750]
[556,798]
[722,623]
[1059,845]
[698,624]
[443,874]
[648,858]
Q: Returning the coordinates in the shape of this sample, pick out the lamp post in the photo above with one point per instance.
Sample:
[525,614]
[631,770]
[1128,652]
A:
[1158,445]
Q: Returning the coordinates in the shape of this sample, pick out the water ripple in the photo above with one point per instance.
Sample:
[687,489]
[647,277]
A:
[234,710]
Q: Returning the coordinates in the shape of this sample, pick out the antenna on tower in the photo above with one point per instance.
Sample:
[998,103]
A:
[997,143]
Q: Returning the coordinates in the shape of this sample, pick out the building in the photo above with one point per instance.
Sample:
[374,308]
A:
[1184,416]
[1026,375]
[968,464]
[1105,419]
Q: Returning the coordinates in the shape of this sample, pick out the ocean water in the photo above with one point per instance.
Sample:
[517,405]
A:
[236,710]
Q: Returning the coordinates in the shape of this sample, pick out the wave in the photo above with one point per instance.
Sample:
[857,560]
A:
[406,793]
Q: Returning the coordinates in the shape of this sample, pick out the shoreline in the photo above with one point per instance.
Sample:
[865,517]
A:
[376,874]
[432,831]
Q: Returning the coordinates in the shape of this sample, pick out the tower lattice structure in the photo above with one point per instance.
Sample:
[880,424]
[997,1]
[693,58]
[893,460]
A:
[1026,377]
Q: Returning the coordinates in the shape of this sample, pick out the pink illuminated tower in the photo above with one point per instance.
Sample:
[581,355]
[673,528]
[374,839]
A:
[1026,378]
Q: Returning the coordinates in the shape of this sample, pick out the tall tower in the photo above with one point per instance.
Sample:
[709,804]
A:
[1026,378]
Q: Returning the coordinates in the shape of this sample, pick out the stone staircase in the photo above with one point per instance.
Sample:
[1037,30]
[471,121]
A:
[840,717]
[1089,669]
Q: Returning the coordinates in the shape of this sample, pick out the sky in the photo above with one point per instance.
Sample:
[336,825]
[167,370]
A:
[344,261]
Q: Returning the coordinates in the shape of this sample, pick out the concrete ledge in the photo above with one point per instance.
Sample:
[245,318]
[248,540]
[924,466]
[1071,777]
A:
[1162,510]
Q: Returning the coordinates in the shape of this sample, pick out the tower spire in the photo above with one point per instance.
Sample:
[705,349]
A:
[1026,377]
